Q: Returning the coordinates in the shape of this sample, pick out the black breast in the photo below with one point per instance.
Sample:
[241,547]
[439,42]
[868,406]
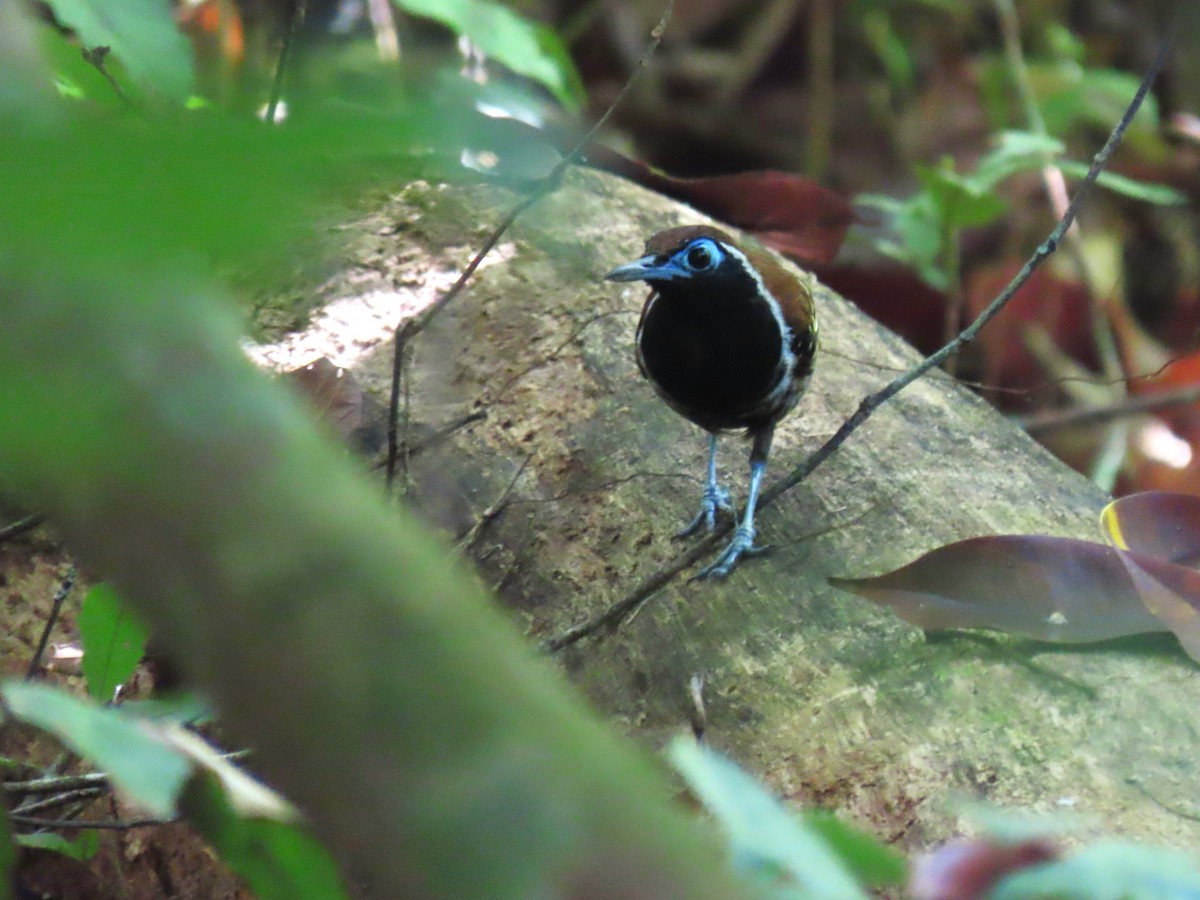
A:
[712,351]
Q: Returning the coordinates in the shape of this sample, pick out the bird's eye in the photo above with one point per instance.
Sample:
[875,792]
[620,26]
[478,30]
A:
[699,257]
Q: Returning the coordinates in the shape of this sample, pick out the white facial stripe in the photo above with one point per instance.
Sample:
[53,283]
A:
[785,333]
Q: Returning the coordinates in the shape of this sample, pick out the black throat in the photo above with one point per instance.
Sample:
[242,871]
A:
[714,348]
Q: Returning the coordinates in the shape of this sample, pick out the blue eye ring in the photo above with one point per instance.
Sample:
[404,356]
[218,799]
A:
[700,255]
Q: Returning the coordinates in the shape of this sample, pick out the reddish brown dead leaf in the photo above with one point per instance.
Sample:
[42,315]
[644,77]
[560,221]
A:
[969,869]
[1058,307]
[333,394]
[894,295]
[1046,588]
[789,213]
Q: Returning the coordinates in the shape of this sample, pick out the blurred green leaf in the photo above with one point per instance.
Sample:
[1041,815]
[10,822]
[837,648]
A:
[114,640]
[278,861]
[183,708]
[891,49]
[1158,194]
[1109,870]
[526,47]
[198,187]
[766,838]
[1014,151]
[960,201]
[142,35]
[874,864]
[143,767]
[1070,95]
[919,234]
[81,847]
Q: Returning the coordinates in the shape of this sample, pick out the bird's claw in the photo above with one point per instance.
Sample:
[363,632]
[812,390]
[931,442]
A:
[715,499]
[742,545]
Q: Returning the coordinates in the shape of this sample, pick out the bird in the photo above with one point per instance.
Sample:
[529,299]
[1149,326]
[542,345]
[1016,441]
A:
[727,338]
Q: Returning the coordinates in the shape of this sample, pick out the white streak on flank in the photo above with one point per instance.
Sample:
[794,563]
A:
[785,384]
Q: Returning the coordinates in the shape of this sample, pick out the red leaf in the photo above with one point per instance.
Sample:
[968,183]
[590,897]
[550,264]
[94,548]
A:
[1045,301]
[790,213]
[1158,523]
[333,393]
[968,870]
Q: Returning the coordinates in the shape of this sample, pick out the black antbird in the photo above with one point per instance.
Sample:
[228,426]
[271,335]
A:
[727,337]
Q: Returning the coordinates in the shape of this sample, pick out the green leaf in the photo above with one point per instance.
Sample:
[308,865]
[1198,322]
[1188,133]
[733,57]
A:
[142,34]
[765,837]
[528,48]
[279,861]
[1110,870]
[960,202]
[81,847]
[874,864]
[143,767]
[114,640]
[198,185]
[1158,194]
[183,708]
[1015,151]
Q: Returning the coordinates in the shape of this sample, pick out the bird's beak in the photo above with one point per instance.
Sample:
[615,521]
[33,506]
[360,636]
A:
[648,268]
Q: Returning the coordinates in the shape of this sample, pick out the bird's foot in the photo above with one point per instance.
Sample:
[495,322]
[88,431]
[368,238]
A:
[716,499]
[742,545]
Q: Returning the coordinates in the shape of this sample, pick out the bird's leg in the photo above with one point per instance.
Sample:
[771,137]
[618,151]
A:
[715,497]
[743,538]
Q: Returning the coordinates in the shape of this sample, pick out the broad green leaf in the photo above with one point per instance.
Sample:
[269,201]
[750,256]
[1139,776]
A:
[114,640]
[81,847]
[959,201]
[526,47]
[1110,870]
[1159,194]
[183,708]
[141,765]
[1014,151]
[279,861]
[142,35]
[197,187]
[874,864]
[919,234]
[766,838]
[74,77]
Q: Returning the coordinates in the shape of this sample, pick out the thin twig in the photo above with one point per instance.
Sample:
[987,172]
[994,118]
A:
[19,527]
[467,541]
[85,793]
[1053,420]
[1018,391]
[407,330]
[613,614]
[60,595]
[94,824]
[1103,473]
[872,402]
[438,435]
[55,783]
[295,17]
